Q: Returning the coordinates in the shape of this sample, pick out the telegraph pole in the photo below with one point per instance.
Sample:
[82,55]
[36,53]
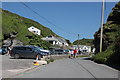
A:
[78,41]
[102,21]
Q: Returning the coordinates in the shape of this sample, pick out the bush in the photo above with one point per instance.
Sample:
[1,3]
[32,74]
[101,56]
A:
[50,60]
[103,56]
[36,40]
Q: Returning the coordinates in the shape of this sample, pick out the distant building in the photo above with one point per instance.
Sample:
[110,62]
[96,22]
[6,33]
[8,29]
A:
[34,30]
[82,48]
[56,40]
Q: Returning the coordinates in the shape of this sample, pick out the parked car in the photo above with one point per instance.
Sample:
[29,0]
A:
[67,51]
[58,51]
[0,51]
[3,50]
[52,52]
[46,52]
[26,52]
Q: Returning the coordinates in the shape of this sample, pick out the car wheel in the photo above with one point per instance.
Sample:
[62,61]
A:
[16,56]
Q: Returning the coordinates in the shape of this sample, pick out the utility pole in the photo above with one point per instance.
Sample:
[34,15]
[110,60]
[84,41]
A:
[78,41]
[102,21]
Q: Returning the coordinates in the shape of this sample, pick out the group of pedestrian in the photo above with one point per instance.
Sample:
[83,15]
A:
[72,53]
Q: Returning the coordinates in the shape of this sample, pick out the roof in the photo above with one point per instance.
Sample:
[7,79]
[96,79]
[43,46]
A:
[81,46]
[25,46]
[33,27]
[61,40]
[55,39]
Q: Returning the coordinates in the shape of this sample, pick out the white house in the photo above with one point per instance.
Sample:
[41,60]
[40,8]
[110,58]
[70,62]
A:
[83,48]
[34,30]
[56,40]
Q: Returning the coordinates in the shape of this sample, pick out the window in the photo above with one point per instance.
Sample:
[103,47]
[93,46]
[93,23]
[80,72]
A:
[28,49]
[49,36]
[19,48]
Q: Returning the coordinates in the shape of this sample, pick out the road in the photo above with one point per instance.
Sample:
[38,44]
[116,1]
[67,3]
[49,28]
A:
[71,68]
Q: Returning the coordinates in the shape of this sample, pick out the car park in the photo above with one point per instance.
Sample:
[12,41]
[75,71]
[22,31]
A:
[26,52]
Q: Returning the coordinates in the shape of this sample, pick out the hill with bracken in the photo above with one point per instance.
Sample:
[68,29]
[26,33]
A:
[18,25]
[111,39]
[88,42]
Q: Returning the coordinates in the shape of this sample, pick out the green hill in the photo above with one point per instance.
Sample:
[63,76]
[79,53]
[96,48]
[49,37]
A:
[84,41]
[13,23]
[111,39]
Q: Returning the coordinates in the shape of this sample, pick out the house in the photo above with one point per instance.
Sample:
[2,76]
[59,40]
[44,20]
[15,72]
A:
[82,48]
[34,30]
[56,40]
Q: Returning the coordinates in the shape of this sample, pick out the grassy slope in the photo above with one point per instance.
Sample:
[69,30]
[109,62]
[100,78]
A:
[84,42]
[112,54]
[14,23]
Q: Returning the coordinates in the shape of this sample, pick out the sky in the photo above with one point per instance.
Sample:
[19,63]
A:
[66,19]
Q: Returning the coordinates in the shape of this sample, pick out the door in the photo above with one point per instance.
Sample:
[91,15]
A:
[29,52]
[20,51]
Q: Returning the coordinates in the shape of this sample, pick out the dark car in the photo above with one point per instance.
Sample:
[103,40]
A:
[3,50]
[26,52]
[67,51]
[46,52]
[58,51]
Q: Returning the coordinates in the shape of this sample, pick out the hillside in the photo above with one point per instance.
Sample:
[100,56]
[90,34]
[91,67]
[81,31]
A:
[84,41]
[111,39]
[15,24]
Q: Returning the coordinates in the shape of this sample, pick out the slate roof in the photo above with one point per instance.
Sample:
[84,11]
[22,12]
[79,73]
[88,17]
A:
[61,40]
[81,46]
[56,39]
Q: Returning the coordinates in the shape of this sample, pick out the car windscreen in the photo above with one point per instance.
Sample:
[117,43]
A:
[36,48]
[59,50]
[40,48]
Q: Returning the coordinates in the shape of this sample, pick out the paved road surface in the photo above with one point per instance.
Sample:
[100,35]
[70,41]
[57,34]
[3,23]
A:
[11,66]
[71,68]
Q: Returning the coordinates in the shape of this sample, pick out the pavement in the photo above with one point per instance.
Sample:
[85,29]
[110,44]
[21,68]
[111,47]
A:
[71,68]
[0,66]
[11,66]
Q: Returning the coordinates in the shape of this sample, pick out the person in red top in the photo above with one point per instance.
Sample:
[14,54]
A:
[75,52]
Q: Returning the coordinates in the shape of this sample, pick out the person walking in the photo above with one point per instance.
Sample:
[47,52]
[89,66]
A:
[71,53]
[75,52]
[9,50]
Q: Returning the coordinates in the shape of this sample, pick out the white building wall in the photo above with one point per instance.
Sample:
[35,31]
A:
[34,30]
[54,43]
